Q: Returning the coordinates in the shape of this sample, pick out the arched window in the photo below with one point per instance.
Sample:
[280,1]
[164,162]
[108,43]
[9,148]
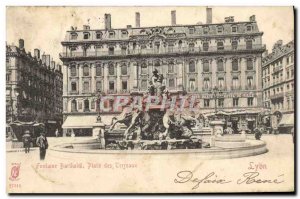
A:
[111,69]
[220,45]
[235,65]
[192,67]
[206,66]
[73,70]
[249,64]
[124,69]
[86,70]
[74,105]
[86,105]
[171,67]
[98,70]
[220,65]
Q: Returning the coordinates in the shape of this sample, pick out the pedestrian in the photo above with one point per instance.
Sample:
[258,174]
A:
[56,133]
[42,143]
[26,138]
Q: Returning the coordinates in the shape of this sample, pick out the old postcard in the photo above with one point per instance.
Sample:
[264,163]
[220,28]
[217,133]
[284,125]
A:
[150,99]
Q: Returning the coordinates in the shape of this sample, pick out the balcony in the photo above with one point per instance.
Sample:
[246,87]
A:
[253,87]
[276,96]
[161,51]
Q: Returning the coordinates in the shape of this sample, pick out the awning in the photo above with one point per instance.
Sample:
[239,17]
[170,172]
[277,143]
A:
[287,120]
[85,121]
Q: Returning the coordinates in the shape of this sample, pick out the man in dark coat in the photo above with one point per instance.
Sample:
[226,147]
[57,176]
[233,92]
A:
[42,143]
[26,138]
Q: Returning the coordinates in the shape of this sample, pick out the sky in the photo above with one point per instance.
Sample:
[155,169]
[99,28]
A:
[45,27]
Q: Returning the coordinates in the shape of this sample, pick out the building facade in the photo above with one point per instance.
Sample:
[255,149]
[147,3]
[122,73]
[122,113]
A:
[34,88]
[194,58]
[278,85]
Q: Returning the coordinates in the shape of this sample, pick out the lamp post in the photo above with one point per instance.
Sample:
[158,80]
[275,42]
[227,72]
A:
[215,91]
[99,96]
[17,103]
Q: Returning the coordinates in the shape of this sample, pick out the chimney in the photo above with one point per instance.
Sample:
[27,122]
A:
[44,59]
[208,15]
[21,43]
[53,64]
[47,60]
[173,17]
[252,18]
[86,27]
[137,20]
[107,20]
[37,53]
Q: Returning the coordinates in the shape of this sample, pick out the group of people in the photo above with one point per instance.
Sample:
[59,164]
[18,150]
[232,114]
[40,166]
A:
[41,142]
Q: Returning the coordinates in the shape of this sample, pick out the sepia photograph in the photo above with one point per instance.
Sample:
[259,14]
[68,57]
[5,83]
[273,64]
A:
[148,100]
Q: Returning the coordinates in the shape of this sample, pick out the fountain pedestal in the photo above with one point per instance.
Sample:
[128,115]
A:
[98,132]
[217,131]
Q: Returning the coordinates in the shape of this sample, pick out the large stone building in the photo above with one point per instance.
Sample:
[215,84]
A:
[34,88]
[278,85]
[195,58]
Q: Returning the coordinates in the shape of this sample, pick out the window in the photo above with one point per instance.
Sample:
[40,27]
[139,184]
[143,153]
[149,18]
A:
[144,84]
[73,86]
[171,83]
[250,82]
[86,70]
[170,47]
[86,86]
[250,101]
[206,102]
[206,83]
[220,45]
[111,35]
[123,50]
[86,105]
[111,50]
[191,47]
[73,70]
[220,65]
[292,73]
[288,60]
[234,29]
[111,69]
[287,87]
[7,77]
[205,30]
[86,35]
[98,70]
[124,85]
[205,46]
[73,36]
[292,59]
[234,45]
[235,66]
[98,35]
[192,30]
[220,29]
[192,67]
[179,44]
[221,82]
[235,102]
[249,64]
[235,82]
[74,105]
[249,44]
[98,86]
[221,102]
[124,69]
[144,69]
[171,68]
[124,34]
[111,86]
[192,84]
[249,28]
[206,66]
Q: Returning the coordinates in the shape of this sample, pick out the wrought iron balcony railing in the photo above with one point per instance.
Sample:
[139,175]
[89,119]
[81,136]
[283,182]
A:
[159,51]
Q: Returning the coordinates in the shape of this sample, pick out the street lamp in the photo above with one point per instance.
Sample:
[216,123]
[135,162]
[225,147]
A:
[17,103]
[99,96]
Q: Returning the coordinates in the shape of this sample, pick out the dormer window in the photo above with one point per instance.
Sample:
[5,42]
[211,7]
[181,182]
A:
[249,28]
[98,35]
[111,34]
[234,29]
[86,35]
[73,36]
[205,30]
[220,29]
[191,31]
[124,34]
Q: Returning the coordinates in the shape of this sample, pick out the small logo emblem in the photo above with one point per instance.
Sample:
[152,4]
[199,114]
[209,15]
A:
[15,171]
